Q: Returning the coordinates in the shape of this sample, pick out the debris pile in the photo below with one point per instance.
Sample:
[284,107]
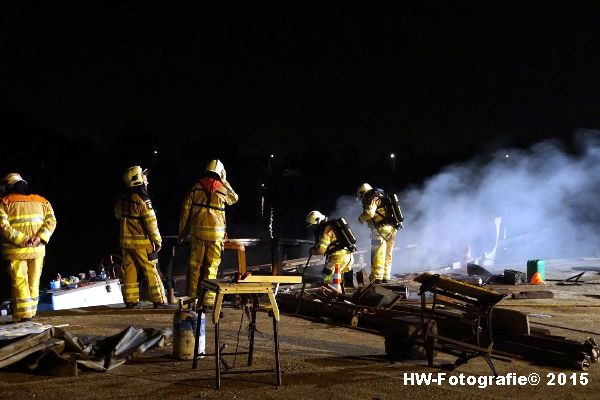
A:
[53,351]
[454,318]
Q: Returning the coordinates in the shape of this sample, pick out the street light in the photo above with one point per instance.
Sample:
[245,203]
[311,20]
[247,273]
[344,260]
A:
[272,156]
[393,158]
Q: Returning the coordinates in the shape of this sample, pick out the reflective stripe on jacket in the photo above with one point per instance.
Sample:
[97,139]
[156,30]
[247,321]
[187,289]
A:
[203,210]
[138,224]
[23,217]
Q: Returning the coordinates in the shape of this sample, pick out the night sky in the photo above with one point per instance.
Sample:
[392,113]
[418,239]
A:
[87,92]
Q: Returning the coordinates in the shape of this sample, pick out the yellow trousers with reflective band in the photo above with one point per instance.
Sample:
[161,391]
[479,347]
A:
[204,263]
[132,259]
[25,277]
[343,261]
[382,246]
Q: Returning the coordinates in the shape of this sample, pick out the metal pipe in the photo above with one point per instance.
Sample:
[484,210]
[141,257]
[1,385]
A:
[276,339]
[303,285]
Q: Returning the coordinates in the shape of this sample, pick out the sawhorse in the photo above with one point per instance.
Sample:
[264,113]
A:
[254,290]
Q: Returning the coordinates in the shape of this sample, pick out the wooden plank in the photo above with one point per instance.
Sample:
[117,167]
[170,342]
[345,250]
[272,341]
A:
[513,321]
[533,294]
[285,279]
[452,285]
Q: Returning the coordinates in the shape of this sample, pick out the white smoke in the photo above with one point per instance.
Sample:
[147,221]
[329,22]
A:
[546,200]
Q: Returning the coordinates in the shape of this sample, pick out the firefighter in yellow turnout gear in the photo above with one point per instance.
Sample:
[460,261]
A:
[27,221]
[140,239]
[203,217]
[383,233]
[336,250]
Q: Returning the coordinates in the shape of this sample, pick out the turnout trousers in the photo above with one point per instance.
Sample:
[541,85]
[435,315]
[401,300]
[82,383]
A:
[204,264]
[382,246]
[343,261]
[25,278]
[132,259]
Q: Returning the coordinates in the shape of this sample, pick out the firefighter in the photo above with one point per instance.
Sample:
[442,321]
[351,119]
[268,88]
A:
[5,288]
[140,239]
[27,222]
[327,243]
[383,232]
[203,217]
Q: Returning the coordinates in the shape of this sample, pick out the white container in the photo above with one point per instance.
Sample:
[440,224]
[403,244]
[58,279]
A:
[54,285]
[95,294]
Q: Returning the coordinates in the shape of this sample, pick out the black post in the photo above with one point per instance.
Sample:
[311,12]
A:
[253,328]
[276,256]
[170,269]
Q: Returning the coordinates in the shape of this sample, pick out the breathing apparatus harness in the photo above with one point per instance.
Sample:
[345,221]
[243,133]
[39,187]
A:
[207,203]
[393,214]
[344,238]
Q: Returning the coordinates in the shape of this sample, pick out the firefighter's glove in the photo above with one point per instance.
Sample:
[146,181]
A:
[156,246]
[327,276]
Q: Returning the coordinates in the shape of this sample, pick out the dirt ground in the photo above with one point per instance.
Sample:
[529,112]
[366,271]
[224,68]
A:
[318,360]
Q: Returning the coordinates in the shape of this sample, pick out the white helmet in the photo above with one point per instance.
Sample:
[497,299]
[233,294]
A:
[133,176]
[215,166]
[314,218]
[364,188]
[9,180]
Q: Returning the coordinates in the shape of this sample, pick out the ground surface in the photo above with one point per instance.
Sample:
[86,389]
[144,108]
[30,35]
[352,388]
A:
[319,360]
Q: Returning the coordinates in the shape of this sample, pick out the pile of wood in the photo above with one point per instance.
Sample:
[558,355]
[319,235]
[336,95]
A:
[385,311]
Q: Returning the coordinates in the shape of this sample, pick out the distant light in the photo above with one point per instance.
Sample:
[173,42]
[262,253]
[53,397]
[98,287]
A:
[506,156]
[262,185]
[155,151]
[272,155]
[392,155]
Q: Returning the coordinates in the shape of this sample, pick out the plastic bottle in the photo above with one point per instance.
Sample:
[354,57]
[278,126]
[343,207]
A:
[55,284]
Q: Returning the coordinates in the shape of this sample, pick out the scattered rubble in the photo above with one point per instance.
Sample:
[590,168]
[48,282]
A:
[50,350]
[455,324]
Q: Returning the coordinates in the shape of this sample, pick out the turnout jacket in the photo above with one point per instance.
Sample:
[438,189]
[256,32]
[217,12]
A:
[374,213]
[22,217]
[138,224]
[326,239]
[203,210]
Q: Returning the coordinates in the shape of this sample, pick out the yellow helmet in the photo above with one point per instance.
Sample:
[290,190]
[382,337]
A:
[215,166]
[9,180]
[314,218]
[362,189]
[133,176]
